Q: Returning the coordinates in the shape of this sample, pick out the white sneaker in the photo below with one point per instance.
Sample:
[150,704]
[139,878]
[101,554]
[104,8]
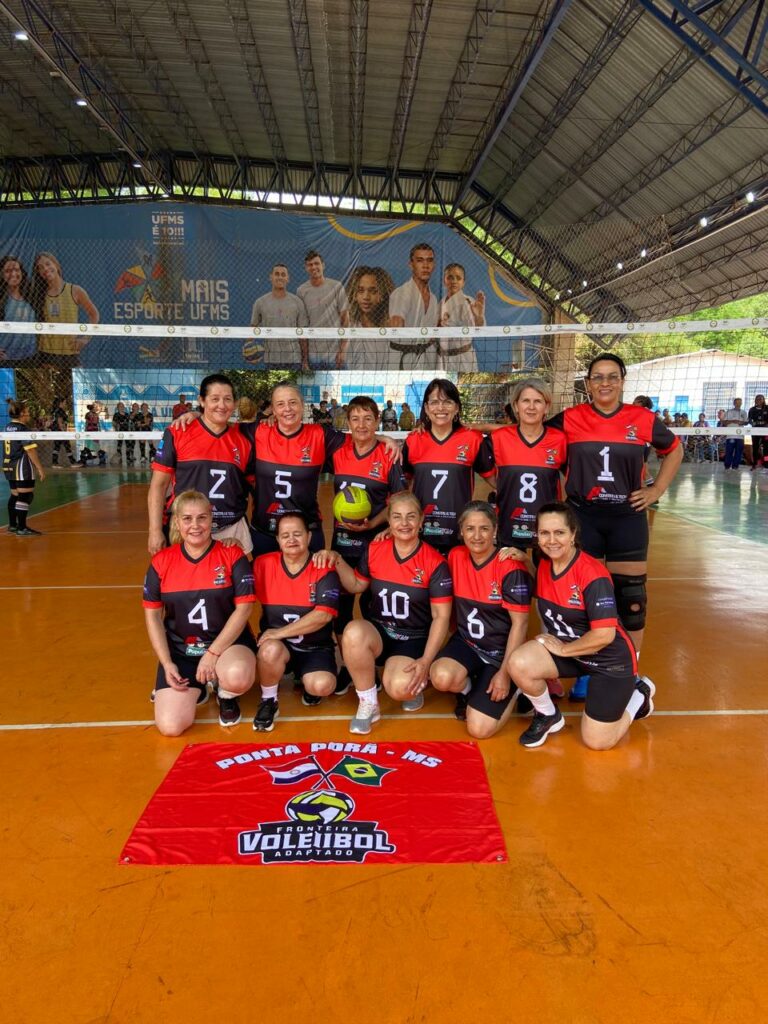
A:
[366,715]
[415,704]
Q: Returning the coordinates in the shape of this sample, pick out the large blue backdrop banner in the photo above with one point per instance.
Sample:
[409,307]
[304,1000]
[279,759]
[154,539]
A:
[172,263]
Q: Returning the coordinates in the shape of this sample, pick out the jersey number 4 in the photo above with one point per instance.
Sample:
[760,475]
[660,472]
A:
[198,616]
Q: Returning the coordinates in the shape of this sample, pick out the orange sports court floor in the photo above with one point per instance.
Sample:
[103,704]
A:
[636,887]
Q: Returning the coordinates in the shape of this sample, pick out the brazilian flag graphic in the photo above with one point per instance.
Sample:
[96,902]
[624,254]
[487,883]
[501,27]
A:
[357,770]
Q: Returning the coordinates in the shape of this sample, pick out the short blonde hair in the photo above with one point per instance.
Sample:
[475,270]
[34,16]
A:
[532,382]
[404,496]
[185,498]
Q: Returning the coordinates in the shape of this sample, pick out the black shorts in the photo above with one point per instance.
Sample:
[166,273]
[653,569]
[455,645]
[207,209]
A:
[480,674]
[607,695]
[188,666]
[264,543]
[614,536]
[392,647]
[21,476]
[301,663]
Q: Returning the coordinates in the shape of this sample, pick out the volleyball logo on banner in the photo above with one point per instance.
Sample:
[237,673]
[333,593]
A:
[319,825]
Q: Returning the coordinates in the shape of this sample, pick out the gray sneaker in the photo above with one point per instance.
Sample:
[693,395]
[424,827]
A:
[366,715]
[415,704]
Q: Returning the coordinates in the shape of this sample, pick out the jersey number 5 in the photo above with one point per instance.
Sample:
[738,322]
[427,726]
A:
[283,487]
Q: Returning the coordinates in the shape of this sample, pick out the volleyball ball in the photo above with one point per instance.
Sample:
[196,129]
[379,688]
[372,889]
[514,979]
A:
[253,351]
[322,807]
[351,505]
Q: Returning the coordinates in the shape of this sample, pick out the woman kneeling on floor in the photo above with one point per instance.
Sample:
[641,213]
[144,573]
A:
[577,605]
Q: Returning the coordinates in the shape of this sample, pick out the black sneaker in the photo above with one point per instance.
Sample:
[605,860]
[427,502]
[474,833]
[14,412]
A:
[28,532]
[343,681]
[460,711]
[12,529]
[541,726]
[229,710]
[266,715]
[647,687]
[309,700]
[523,706]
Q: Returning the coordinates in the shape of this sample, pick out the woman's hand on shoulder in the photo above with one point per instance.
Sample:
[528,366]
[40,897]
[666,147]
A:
[507,554]
[182,422]
[326,559]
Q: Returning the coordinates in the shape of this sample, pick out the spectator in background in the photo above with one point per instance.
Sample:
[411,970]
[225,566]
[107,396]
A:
[758,417]
[181,407]
[324,415]
[326,303]
[121,421]
[60,421]
[368,291]
[59,301]
[734,446]
[247,410]
[666,417]
[93,425]
[407,420]
[338,415]
[147,422]
[389,417]
[280,308]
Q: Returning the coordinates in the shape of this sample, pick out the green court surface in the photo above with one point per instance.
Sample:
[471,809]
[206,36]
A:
[734,504]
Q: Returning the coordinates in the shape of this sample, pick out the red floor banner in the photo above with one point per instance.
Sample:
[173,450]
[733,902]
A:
[320,803]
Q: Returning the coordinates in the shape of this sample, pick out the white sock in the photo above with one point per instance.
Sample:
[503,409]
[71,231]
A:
[269,693]
[227,694]
[635,703]
[543,703]
[467,687]
[368,697]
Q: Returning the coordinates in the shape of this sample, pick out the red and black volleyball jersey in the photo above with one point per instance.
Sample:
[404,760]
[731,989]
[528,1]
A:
[378,475]
[527,477]
[286,597]
[198,594]
[402,590]
[14,451]
[288,468]
[443,478]
[606,452]
[218,465]
[483,596]
[579,599]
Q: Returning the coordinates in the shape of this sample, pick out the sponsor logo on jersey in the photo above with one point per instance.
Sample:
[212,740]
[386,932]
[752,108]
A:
[429,509]
[305,453]
[219,576]
[375,471]
[312,593]
[595,493]
[495,594]
[418,576]
[551,456]
[575,598]
[517,513]
[274,508]
[462,452]
[631,432]
[236,455]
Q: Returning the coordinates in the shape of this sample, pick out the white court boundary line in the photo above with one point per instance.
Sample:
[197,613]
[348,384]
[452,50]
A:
[319,719]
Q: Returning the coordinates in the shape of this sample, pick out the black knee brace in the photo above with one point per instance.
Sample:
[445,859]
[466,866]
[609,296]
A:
[631,600]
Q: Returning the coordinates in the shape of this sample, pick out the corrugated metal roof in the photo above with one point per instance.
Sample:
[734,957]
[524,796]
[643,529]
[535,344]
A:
[618,137]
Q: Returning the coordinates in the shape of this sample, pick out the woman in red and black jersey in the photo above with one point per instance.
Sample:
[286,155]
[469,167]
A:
[491,600]
[442,459]
[298,602]
[408,616]
[605,482]
[209,455]
[198,597]
[290,456]
[577,606]
[523,461]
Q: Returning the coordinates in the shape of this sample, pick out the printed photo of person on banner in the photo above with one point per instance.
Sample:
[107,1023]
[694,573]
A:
[281,308]
[326,304]
[413,304]
[60,301]
[459,310]
[16,306]
[368,291]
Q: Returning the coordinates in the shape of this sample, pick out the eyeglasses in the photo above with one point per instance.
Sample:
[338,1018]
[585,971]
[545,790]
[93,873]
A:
[610,378]
[434,403]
